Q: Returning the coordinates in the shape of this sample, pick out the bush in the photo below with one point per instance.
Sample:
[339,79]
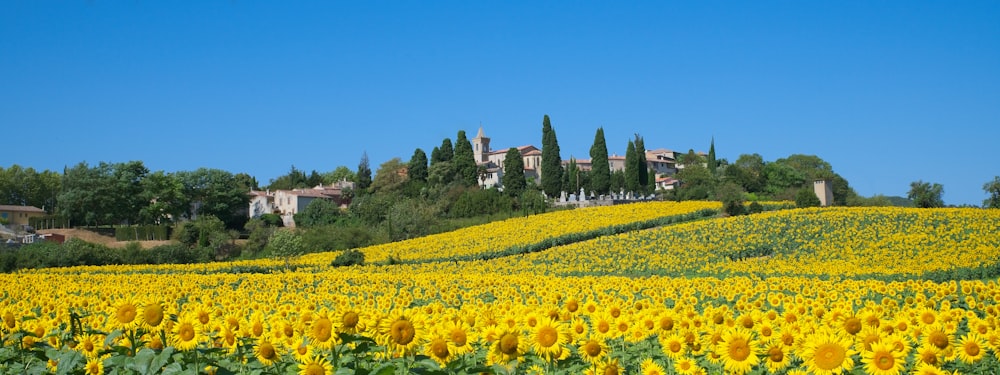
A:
[806,198]
[755,208]
[349,257]
[272,220]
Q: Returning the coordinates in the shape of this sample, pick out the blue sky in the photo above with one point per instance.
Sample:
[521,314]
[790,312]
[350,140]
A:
[888,92]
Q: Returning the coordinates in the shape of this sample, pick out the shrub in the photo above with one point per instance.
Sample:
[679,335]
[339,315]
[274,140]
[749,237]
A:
[349,257]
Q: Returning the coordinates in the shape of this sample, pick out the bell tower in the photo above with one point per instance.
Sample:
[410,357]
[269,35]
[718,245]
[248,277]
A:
[481,147]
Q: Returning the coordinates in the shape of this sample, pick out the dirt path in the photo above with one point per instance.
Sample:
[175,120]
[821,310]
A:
[89,236]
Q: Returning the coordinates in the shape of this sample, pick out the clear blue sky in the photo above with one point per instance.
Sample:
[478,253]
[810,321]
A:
[888,92]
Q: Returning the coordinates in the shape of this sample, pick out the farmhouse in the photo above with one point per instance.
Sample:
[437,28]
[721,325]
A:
[287,203]
[18,216]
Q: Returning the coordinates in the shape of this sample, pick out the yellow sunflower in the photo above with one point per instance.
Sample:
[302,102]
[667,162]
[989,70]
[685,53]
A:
[301,350]
[90,346]
[265,351]
[609,366]
[593,350]
[738,350]
[437,349]
[776,356]
[154,316]
[828,353]
[929,354]
[94,366]
[187,333]
[401,332]
[548,338]
[650,367]
[673,345]
[460,336]
[883,359]
[509,346]
[123,314]
[322,331]
[687,366]
[971,348]
[315,365]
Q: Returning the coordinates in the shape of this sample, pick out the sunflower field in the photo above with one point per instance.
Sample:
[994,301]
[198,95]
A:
[802,291]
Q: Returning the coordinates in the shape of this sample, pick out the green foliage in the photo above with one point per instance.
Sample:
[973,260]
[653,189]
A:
[643,175]
[731,196]
[755,208]
[219,194]
[294,179]
[617,181]
[372,209]
[363,175]
[285,244]
[349,257]
[806,197]
[464,161]
[631,168]
[551,168]
[532,202]
[341,173]
[697,182]
[712,163]
[318,212]
[76,252]
[445,152]
[260,235]
[926,195]
[411,218]
[198,232]
[992,189]
[272,220]
[475,202]
[748,172]
[600,179]
[27,187]
[344,235]
[142,233]
[513,181]
[390,176]
[417,168]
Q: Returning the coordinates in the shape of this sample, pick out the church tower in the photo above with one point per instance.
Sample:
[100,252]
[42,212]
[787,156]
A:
[481,147]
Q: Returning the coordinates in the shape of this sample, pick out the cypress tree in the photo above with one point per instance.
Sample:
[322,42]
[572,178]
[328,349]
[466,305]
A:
[513,173]
[600,171]
[573,176]
[446,151]
[464,162]
[712,164]
[641,166]
[417,169]
[631,169]
[435,155]
[364,175]
[551,161]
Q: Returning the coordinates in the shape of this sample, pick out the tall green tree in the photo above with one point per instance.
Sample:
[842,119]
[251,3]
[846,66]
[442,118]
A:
[445,152]
[631,168]
[364,174]
[164,197]
[573,176]
[600,169]
[641,166]
[712,163]
[88,194]
[27,187]
[617,181]
[513,181]
[389,176]
[748,172]
[464,161]
[417,168]
[992,189]
[926,195]
[551,160]
[128,190]
[215,192]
